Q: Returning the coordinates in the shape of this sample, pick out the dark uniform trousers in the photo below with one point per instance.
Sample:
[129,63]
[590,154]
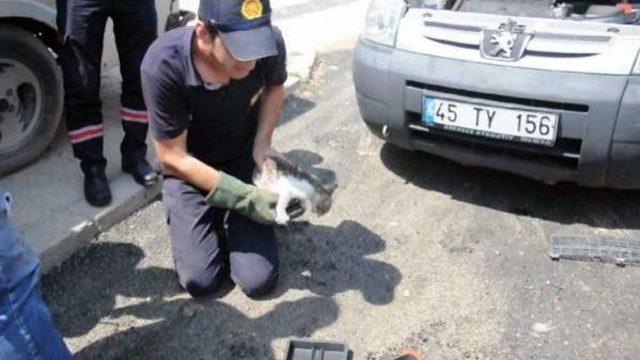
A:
[82,25]
[209,244]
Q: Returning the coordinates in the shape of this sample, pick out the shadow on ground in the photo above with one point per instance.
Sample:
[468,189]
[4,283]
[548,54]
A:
[161,322]
[215,330]
[123,310]
[294,107]
[328,261]
[564,203]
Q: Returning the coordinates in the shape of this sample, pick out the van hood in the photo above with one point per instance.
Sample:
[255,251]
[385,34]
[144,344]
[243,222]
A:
[534,40]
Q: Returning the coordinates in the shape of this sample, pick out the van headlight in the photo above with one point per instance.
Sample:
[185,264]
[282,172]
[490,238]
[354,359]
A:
[383,17]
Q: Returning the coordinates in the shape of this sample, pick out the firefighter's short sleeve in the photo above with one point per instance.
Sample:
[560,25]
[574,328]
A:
[166,102]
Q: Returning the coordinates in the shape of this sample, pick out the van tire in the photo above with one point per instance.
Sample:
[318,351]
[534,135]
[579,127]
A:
[37,105]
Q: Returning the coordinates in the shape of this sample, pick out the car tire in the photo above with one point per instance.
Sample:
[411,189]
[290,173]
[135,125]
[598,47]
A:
[31,97]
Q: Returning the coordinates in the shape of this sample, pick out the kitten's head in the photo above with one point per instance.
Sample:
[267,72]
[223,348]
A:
[322,199]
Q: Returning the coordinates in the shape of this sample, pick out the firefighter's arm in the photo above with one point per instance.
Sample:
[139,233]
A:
[270,110]
[177,162]
[224,191]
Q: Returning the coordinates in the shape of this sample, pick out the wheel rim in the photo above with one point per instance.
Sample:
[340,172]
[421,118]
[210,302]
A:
[20,104]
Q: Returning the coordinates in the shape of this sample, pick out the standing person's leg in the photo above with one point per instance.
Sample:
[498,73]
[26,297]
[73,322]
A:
[253,248]
[27,330]
[135,28]
[82,24]
[194,226]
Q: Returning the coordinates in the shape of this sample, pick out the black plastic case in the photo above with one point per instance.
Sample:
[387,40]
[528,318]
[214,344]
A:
[301,349]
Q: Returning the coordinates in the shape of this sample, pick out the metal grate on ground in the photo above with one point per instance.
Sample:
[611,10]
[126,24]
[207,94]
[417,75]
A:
[619,251]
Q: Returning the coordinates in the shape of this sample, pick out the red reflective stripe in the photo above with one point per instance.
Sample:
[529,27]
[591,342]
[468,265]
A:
[140,115]
[133,110]
[85,135]
[86,128]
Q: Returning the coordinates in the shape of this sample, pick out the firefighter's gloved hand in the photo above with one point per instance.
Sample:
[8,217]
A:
[248,200]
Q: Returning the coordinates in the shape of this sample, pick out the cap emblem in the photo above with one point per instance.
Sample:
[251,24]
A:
[252,9]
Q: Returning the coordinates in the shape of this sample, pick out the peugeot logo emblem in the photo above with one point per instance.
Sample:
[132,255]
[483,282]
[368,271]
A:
[507,43]
[503,42]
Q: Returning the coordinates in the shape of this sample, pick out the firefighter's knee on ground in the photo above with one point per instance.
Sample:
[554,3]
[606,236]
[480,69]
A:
[201,283]
[255,282]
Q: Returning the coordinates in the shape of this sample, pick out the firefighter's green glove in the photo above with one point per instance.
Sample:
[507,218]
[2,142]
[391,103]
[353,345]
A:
[248,200]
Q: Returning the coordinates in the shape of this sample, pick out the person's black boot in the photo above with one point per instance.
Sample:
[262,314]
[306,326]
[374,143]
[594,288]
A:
[96,186]
[141,171]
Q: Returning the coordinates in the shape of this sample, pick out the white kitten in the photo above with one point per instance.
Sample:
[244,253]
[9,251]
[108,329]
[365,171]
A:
[292,183]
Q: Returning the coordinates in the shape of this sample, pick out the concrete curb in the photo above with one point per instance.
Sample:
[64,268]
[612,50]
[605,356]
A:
[130,197]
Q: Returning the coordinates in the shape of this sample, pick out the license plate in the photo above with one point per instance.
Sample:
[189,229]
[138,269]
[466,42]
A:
[489,121]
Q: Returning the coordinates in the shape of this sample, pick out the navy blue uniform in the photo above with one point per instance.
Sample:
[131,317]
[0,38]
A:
[82,24]
[221,122]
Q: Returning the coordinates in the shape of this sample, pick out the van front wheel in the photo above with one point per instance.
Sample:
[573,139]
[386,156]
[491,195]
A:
[31,98]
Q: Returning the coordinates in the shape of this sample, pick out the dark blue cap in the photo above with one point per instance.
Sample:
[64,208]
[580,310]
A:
[243,25]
